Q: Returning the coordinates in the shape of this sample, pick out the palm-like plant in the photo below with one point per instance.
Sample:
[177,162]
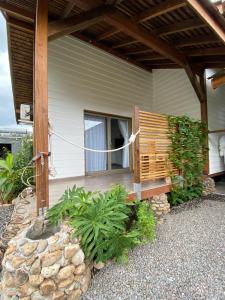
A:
[6,178]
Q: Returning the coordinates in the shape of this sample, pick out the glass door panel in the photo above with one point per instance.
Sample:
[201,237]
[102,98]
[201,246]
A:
[95,137]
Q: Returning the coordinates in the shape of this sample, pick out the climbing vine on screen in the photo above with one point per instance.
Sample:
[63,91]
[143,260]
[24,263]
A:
[188,152]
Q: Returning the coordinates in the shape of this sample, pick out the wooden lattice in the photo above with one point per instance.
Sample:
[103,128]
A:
[154,147]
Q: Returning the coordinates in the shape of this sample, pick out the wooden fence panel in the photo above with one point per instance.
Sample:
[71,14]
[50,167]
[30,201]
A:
[154,147]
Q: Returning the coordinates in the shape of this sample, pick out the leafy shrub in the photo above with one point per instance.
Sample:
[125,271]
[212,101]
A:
[100,219]
[11,169]
[188,154]
[6,178]
[146,223]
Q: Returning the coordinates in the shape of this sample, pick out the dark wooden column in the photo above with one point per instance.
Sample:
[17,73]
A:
[204,114]
[41,102]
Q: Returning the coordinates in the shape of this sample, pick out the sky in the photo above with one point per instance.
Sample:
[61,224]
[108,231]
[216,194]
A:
[7,116]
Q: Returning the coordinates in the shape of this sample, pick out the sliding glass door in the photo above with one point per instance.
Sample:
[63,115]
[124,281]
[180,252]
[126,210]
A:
[104,132]
[95,137]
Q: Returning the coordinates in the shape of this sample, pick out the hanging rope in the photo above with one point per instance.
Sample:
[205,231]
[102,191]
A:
[131,141]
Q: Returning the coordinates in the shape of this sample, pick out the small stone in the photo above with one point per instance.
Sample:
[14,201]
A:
[66,272]
[100,265]
[10,249]
[48,286]
[36,267]
[70,250]
[29,248]
[66,282]
[36,280]
[31,260]
[17,261]
[78,258]
[25,298]
[42,245]
[54,247]
[37,296]
[49,259]
[58,295]
[74,295]
[50,271]
[53,239]
[26,290]
[21,277]
[36,230]
[22,242]
[80,269]
[9,279]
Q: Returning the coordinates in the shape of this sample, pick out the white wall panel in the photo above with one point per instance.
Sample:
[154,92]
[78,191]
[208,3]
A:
[216,116]
[173,94]
[82,77]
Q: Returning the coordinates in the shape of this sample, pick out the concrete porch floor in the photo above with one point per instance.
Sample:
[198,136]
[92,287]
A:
[98,183]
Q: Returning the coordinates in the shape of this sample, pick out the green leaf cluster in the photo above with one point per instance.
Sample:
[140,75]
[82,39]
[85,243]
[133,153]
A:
[11,169]
[188,154]
[100,220]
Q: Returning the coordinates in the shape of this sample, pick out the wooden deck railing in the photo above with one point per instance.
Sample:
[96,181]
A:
[151,150]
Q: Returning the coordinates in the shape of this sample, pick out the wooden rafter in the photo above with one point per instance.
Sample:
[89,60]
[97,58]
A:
[88,4]
[75,23]
[135,31]
[107,34]
[17,11]
[205,51]
[148,14]
[194,81]
[212,19]
[124,43]
[70,5]
[197,40]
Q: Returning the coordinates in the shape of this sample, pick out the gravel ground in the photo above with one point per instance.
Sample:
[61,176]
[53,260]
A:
[187,261]
[5,215]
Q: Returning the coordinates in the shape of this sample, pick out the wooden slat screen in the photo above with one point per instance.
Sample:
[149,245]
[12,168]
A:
[153,146]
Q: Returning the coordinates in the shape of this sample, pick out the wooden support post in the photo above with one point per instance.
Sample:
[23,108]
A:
[204,116]
[41,103]
[137,166]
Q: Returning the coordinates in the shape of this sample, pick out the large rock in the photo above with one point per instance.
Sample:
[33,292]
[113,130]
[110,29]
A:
[48,286]
[50,271]
[49,259]
[28,248]
[78,258]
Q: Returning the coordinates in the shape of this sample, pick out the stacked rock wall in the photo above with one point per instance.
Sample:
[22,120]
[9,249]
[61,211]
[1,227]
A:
[51,268]
[160,205]
[209,186]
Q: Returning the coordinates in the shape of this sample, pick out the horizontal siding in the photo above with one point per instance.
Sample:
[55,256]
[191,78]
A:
[82,77]
[173,94]
[216,117]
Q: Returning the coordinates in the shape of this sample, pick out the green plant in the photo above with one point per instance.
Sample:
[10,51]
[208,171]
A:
[6,178]
[188,154]
[146,223]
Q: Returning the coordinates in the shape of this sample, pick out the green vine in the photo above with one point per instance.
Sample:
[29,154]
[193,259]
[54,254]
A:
[188,155]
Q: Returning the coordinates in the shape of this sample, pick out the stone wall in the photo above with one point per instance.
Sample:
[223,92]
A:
[160,206]
[50,268]
[209,186]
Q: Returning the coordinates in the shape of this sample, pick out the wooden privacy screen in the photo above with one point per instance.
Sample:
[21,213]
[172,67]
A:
[151,147]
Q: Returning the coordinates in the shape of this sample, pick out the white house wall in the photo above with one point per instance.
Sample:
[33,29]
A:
[173,94]
[82,77]
[216,117]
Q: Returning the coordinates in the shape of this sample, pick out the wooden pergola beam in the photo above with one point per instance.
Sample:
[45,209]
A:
[41,103]
[218,81]
[75,23]
[213,19]
[194,81]
[17,11]
[137,32]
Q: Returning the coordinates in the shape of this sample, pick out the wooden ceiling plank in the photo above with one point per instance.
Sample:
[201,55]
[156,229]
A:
[159,9]
[180,26]
[135,31]
[197,40]
[124,43]
[88,4]
[200,8]
[17,11]
[107,34]
[70,5]
[75,23]
[206,51]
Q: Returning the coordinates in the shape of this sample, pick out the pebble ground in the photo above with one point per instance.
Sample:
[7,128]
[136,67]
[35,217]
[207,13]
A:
[5,215]
[186,262]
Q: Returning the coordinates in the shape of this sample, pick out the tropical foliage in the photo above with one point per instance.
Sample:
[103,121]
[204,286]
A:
[11,169]
[100,219]
[188,154]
